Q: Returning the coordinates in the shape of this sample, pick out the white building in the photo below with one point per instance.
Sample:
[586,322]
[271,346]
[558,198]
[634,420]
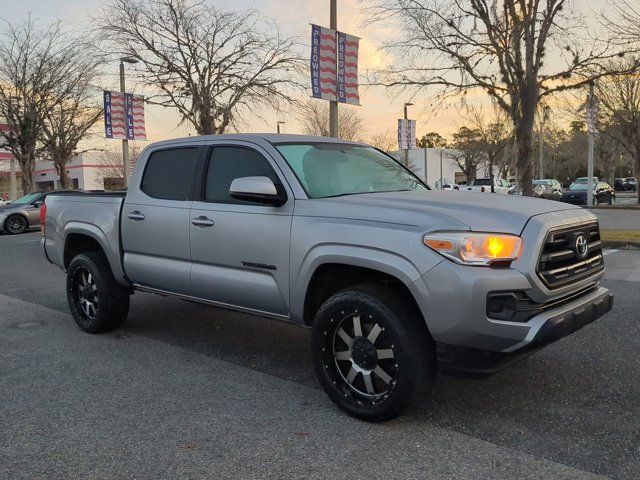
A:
[87,171]
[438,163]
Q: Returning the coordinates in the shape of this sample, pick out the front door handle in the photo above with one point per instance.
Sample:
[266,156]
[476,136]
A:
[202,222]
[135,215]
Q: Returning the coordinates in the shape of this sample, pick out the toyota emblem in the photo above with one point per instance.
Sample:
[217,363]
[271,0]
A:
[582,246]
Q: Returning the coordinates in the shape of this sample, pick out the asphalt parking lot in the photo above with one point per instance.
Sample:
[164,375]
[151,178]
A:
[187,391]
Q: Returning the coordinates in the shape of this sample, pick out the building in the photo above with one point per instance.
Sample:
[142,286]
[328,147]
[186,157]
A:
[87,171]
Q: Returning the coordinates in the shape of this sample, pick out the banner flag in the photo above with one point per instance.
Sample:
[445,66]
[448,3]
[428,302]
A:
[406,134]
[323,63]
[348,69]
[124,116]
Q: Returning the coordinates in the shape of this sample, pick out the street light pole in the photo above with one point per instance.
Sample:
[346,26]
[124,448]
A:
[280,122]
[406,150]
[333,104]
[545,118]
[125,142]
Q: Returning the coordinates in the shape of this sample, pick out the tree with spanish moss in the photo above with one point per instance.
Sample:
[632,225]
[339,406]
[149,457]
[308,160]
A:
[517,51]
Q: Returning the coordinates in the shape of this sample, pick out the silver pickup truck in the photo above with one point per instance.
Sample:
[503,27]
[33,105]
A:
[395,281]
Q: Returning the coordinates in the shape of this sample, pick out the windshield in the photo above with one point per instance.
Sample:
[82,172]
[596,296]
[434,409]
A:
[482,181]
[26,199]
[542,182]
[579,186]
[332,169]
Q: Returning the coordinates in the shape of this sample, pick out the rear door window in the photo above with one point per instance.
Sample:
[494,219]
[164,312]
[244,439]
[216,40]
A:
[168,174]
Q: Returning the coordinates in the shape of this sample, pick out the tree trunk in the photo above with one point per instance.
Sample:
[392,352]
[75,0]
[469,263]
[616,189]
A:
[26,171]
[524,139]
[493,188]
[61,166]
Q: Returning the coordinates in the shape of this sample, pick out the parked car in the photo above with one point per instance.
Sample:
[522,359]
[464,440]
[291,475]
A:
[551,189]
[584,181]
[619,184]
[577,194]
[631,184]
[395,280]
[450,187]
[24,213]
[483,185]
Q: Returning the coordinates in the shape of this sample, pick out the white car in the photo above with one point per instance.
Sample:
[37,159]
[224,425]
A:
[450,187]
[483,185]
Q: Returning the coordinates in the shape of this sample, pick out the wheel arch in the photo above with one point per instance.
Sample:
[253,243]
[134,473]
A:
[331,276]
[80,237]
[16,214]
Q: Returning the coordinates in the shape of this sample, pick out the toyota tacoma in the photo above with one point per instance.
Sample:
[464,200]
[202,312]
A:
[396,281]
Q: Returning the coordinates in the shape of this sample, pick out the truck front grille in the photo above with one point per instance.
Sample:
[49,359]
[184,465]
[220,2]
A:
[563,260]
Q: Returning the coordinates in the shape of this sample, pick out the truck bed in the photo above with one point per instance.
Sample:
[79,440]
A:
[95,214]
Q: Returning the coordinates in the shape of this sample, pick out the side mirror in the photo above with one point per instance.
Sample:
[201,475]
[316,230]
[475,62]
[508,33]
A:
[258,189]
[38,203]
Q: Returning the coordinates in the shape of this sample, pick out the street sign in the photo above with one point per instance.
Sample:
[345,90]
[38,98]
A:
[406,134]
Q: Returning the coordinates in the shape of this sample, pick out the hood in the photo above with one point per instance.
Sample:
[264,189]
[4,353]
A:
[433,209]
[6,208]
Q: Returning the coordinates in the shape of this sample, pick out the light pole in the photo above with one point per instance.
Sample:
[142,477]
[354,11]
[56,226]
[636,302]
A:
[280,122]
[545,119]
[406,150]
[125,142]
[333,104]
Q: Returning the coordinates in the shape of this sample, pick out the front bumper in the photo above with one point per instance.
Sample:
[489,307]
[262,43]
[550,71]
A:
[549,327]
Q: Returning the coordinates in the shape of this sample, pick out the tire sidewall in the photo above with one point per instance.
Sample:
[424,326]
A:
[25,224]
[98,324]
[410,368]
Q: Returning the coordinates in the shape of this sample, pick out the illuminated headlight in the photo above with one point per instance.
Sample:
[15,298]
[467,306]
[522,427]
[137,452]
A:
[475,248]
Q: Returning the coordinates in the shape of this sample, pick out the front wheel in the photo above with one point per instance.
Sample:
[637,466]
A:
[372,352]
[15,224]
[612,199]
[97,302]
[595,201]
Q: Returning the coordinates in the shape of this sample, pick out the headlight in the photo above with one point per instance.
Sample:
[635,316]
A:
[470,248]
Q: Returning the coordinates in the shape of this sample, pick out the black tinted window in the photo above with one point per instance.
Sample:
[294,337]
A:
[169,173]
[227,164]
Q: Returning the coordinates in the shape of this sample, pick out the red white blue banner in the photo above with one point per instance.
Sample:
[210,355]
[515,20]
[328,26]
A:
[323,63]
[348,69]
[124,116]
[406,134]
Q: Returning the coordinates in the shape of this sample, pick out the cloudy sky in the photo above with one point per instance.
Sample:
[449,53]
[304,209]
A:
[379,107]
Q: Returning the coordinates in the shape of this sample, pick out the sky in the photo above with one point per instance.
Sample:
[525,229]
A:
[380,108]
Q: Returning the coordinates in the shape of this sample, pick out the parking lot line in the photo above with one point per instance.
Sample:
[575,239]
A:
[607,251]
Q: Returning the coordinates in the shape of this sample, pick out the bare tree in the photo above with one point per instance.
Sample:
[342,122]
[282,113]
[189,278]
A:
[35,68]
[620,106]
[67,125]
[499,47]
[493,136]
[385,141]
[111,169]
[208,63]
[313,116]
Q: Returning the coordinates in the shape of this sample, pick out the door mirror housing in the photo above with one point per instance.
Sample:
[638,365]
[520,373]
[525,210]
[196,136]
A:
[258,189]
[38,203]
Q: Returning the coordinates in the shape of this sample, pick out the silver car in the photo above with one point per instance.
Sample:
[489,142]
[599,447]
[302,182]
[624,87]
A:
[24,213]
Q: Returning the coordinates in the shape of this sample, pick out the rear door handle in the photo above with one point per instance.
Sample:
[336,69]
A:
[202,222]
[135,215]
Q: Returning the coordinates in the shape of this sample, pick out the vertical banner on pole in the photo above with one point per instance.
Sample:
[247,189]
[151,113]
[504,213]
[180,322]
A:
[108,129]
[406,134]
[124,116]
[115,124]
[323,63]
[348,69]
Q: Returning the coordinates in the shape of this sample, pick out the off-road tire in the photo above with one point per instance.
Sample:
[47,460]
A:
[412,367]
[112,304]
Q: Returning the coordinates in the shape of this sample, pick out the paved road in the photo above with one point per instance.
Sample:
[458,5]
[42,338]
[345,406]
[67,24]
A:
[188,391]
[613,219]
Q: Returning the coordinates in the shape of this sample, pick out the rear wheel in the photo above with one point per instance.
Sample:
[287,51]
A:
[97,302]
[372,353]
[15,224]
[595,201]
[612,199]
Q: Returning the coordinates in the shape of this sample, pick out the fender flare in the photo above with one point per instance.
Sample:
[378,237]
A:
[92,231]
